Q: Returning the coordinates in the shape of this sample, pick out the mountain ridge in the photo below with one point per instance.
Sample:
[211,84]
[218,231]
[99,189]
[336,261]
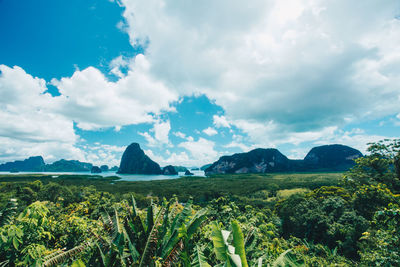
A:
[334,157]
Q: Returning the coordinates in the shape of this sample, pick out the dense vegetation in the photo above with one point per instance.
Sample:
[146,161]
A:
[312,219]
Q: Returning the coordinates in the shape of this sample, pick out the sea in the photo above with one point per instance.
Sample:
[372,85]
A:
[123,177]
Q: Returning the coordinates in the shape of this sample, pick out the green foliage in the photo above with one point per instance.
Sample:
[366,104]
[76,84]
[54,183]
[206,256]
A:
[382,165]
[381,244]
[370,198]
[270,219]
[330,220]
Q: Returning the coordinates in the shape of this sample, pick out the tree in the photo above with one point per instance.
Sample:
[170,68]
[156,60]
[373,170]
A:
[382,165]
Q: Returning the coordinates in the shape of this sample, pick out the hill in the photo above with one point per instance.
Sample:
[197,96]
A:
[323,158]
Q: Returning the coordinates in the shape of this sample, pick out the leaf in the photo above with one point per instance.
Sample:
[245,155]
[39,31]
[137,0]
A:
[235,259]
[133,251]
[134,208]
[196,222]
[199,260]
[259,262]
[151,237]
[182,217]
[220,248]
[238,242]
[150,218]
[15,242]
[284,260]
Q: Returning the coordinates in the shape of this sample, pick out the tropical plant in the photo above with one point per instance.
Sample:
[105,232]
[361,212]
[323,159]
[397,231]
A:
[164,238]
[8,213]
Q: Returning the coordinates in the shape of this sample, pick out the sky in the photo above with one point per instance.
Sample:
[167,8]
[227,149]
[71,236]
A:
[191,81]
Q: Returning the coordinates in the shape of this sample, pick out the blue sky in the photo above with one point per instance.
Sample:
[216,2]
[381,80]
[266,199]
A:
[191,81]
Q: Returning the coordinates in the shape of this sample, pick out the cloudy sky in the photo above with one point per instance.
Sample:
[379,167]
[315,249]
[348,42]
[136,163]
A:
[193,80]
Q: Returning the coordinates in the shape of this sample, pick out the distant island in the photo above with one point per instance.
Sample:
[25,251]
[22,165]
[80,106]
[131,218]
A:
[135,161]
[323,158]
[37,164]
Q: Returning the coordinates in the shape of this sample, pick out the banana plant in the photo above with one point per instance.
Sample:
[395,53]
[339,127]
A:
[164,238]
[231,254]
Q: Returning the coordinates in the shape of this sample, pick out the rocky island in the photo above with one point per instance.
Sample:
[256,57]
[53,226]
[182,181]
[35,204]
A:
[323,158]
[135,161]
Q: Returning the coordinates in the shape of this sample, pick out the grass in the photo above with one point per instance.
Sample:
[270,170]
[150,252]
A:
[285,193]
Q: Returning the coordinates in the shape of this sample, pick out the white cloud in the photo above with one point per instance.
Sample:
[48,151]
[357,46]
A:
[202,151]
[160,132]
[304,65]
[198,153]
[210,131]
[117,64]
[103,154]
[29,127]
[93,101]
[243,147]
[177,159]
[221,121]
[180,135]
[150,139]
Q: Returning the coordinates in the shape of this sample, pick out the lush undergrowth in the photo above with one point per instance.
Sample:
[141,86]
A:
[291,219]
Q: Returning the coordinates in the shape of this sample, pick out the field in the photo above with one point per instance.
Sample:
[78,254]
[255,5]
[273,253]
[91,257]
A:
[247,187]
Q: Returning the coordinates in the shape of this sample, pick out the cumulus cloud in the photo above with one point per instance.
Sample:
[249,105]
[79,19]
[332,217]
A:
[210,131]
[118,64]
[180,135]
[178,158]
[160,133]
[104,154]
[301,65]
[197,153]
[221,121]
[29,127]
[202,150]
[35,123]
[94,102]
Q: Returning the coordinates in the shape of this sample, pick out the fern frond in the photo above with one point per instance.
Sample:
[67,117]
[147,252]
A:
[57,252]
[8,213]
[66,255]
[199,260]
